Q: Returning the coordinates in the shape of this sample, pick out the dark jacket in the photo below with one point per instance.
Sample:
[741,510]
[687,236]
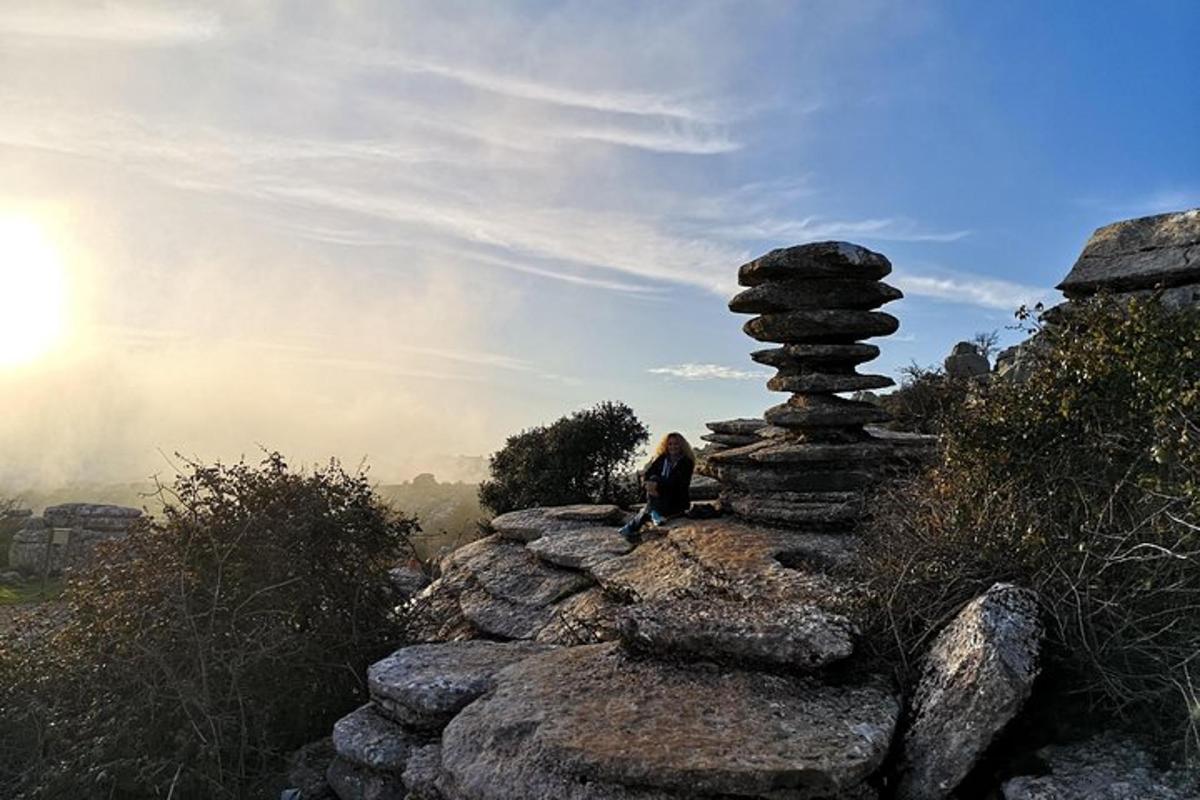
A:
[673,497]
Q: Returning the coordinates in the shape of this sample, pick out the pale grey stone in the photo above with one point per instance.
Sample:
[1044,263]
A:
[425,685]
[1138,254]
[1103,768]
[582,548]
[589,722]
[368,739]
[977,675]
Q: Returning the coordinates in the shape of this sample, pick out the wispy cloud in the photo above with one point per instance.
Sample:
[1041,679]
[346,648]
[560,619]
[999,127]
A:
[709,372]
[975,290]
[116,23]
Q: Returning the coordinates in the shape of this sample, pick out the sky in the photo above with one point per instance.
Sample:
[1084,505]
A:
[400,232]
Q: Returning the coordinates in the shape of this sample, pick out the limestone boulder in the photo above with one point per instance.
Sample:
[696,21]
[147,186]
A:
[736,427]
[818,293]
[591,722]
[409,581]
[422,773]
[368,739]
[965,361]
[350,781]
[838,260]
[790,634]
[582,548]
[531,523]
[704,488]
[977,675]
[726,557]
[820,325]
[505,590]
[1104,768]
[425,685]
[1138,254]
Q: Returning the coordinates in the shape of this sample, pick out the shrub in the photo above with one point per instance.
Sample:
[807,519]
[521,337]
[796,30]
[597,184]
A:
[926,399]
[208,643]
[1083,483]
[577,459]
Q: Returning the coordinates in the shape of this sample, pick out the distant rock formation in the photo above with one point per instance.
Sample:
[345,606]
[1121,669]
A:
[66,535]
[965,361]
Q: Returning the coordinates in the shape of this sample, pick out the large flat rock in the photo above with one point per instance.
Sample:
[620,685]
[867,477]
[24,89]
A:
[820,326]
[840,260]
[1138,254]
[425,685]
[815,293]
[582,548]
[368,739]
[791,380]
[583,722]
[816,354]
[977,675]
[510,571]
[726,557]
[787,634]
[820,411]
[529,524]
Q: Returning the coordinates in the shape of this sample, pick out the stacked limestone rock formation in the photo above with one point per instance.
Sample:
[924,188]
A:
[66,535]
[582,668]
[809,464]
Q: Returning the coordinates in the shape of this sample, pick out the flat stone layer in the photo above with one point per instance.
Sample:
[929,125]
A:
[817,293]
[1138,254]
[820,325]
[736,427]
[788,381]
[824,412]
[793,634]
[366,738]
[730,439]
[528,524]
[816,354]
[510,571]
[840,260]
[581,549]
[790,508]
[794,478]
[424,685]
[580,722]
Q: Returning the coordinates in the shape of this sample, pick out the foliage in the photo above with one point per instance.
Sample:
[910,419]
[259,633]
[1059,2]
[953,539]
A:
[926,399]
[577,459]
[1083,483]
[210,642]
[449,513]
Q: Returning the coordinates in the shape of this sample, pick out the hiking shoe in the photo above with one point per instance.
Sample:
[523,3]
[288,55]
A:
[657,518]
[629,534]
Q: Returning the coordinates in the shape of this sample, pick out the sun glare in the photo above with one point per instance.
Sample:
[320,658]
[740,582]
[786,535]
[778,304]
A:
[33,283]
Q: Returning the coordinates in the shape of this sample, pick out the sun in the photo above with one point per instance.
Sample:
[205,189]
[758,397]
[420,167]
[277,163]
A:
[33,285]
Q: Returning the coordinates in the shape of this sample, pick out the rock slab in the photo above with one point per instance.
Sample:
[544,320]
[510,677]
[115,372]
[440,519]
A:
[1104,768]
[976,677]
[582,723]
[425,685]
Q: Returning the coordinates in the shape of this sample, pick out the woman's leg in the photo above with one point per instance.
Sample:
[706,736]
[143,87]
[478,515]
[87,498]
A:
[634,525]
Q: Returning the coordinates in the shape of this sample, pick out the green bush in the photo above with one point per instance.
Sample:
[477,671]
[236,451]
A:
[1083,483]
[926,400]
[577,459]
[208,644]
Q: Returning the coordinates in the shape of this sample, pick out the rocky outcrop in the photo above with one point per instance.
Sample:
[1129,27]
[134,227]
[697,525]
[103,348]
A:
[808,462]
[976,677]
[1104,768]
[1143,253]
[965,361]
[533,523]
[67,535]
[592,722]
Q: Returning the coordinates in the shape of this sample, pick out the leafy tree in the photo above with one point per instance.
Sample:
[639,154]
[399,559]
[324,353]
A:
[209,643]
[576,459]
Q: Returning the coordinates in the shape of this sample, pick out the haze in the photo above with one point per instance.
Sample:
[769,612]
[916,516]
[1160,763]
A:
[404,231]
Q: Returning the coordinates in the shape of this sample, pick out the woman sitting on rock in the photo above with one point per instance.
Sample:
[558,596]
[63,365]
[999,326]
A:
[666,478]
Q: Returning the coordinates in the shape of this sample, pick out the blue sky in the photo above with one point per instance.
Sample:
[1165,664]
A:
[402,231]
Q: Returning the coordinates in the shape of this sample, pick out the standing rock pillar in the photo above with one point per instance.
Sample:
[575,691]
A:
[814,459]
